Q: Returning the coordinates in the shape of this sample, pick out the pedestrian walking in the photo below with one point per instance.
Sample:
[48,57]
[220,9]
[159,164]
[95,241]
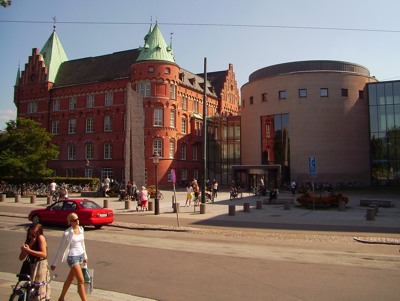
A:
[214,189]
[189,195]
[143,198]
[35,251]
[73,250]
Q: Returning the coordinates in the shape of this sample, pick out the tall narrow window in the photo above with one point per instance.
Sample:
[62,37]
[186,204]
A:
[72,103]
[183,151]
[158,116]
[195,152]
[196,106]
[56,105]
[72,126]
[89,151]
[109,98]
[157,147]
[71,152]
[184,102]
[55,127]
[172,91]
[89,124]
[171,148]
[90,101]
[184,125]
[108,123]
[172,118]
[108,149]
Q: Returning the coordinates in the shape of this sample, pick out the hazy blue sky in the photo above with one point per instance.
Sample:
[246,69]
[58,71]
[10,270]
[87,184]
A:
[255,33]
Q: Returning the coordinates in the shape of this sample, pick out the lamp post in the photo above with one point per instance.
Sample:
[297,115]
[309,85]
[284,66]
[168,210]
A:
[156,159]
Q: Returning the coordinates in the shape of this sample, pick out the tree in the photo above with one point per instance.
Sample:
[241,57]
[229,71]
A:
[25,148]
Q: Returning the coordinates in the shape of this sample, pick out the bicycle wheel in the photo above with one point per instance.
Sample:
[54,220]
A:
[17,296]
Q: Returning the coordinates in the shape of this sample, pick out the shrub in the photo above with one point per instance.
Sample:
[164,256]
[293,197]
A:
[321,200]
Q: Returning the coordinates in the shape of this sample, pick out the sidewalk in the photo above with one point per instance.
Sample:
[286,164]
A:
[384,229]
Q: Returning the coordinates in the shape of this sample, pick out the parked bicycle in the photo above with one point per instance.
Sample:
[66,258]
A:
[25,289]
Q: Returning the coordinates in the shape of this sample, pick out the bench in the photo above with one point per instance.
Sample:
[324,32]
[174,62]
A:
[89,194]
[379,203]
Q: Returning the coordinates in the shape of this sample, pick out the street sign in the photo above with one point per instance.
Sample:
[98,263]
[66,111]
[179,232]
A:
[312,167]
[173,175]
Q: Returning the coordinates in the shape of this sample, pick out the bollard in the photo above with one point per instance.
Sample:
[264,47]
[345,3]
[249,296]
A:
[176,207]
[33,199]
[259,204]
[49,199]
[128,204]
[370,214]
[246,207]
[2,197]
[17,198]
[203,208]
[342,206]
[151,206]
[232,210]
[105,203]
[172,202]
[286,205]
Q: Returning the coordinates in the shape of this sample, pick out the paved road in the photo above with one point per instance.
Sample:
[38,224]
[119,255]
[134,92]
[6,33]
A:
[207,258]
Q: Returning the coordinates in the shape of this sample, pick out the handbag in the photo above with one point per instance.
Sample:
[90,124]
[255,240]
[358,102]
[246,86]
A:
[88,276]
[25,269]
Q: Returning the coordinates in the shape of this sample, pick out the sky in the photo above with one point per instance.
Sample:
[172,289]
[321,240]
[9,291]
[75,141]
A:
[249,34]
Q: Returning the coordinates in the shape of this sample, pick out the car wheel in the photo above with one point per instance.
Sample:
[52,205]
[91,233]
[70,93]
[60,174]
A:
[36,219]
[98,226]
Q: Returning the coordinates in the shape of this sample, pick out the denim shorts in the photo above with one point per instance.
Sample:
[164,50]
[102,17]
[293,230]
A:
[74,260]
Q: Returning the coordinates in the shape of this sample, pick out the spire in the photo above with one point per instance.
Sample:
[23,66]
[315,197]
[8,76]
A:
[18,75]
[53,54]
[155,47]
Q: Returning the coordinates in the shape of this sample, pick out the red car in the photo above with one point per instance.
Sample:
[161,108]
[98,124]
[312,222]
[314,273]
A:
[89,213]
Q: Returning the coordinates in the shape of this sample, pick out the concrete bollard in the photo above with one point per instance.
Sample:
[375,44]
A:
[246,207]
[2,197]
[17,198]
[128,204]
[105,204]
[370,214]
[151,206]
[176,207]
[342,206]
[33,199]
[203,208]
[49,199]
[232,210]
[259,204]
[286,205]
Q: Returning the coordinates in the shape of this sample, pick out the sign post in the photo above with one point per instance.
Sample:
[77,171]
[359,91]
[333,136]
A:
[312,172]
[173,175]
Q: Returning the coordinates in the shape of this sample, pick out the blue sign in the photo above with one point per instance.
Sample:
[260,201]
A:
[312,167]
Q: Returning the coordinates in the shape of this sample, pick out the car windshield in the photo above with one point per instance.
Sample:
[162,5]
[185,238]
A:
[89,204]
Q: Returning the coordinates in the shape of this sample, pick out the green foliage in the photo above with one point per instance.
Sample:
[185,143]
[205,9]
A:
[25,148]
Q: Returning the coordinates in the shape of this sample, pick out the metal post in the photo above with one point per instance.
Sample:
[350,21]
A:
[203,187]
[156,203]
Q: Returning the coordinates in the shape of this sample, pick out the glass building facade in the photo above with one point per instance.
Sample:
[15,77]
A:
[384,112]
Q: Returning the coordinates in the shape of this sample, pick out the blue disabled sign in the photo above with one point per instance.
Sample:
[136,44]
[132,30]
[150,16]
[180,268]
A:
[312,167]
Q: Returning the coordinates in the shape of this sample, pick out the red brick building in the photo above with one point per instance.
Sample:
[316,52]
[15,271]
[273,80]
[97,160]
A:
[110,113]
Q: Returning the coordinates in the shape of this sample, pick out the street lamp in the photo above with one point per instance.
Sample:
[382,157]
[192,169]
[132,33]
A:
[156,159]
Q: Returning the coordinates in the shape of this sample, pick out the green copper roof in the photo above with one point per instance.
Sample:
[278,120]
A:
[53,55]
[155,48]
